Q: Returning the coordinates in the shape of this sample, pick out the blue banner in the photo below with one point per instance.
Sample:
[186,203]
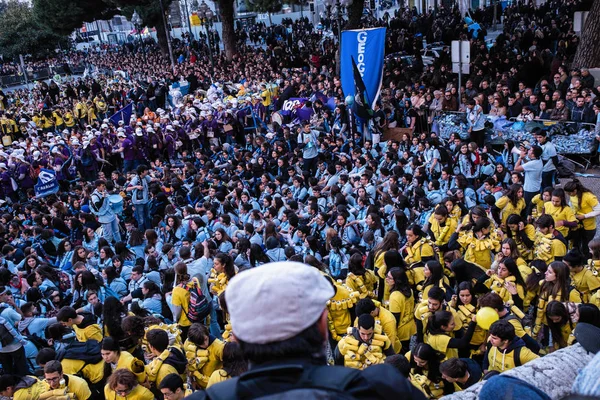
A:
[123,114]
[365,48]
[47,183]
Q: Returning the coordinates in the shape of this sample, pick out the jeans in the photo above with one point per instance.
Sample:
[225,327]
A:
[15,362]
[310,165]
[110,231]
[142,216]
[128,165]
[528,196]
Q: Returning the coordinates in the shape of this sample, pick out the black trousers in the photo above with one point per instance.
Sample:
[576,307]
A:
[15,363]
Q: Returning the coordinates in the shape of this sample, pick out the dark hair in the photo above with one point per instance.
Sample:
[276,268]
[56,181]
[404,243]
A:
[197,334]
[309,342]
[366,321]
[400,281]
[436,293]
[465,285]
[110,344]
[158,338]
[436,273]
[558,309]
[364,306]
[560,286]
[173,382]
[513,269]
[53,366]
[493,300]
[503,330]
[576,186]
[112,315]
[122,376]
[512,193]
[590,314]
[399,362]
[227,262]
[45,355]
[454,368]
[66,313]
[234,362]
[437,320]
[433,358]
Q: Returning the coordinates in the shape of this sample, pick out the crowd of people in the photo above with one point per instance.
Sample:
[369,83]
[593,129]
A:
[142,277]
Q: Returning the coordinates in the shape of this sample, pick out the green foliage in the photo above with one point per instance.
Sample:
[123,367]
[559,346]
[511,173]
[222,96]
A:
[21,32]
[64,16]
[264,6]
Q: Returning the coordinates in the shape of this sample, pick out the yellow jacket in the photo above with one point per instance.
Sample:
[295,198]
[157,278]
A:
[524,251]
[478,251]
[507,208]
[157,369]
[218,282]
[465,314]
[560,214]
[138,393]
[588,202]
[127,361]
[80,110]
[586,282]
[30,388]
[400,304]
[388,325]
[92,331]
[69,119]
[364,285]
[362,355]
[503,360]
[496,284]
[218,376]
[338,318]
[75,385]
[547,247]
[203,362]
[93,373]
[58,119]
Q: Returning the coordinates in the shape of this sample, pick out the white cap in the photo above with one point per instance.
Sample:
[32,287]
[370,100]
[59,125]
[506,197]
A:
[120,130]
[121,134]
[150,129]
[176,123]
[170,128]
[300,292]
[104,126]
[156,125]
[86,143]
[36,155]
[22,121]
[3,165]
[75,142]
[54,150]
[138,132]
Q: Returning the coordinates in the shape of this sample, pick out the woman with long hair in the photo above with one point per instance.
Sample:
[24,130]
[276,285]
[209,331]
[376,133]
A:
[425,371]
[440,334]
[105,256]
[180,298]
[586,208]
[234,364]
[113,313]
[434,276]
[560,324]
[401,305]
[359,279]
[64,253]
[223,240]
[152,297]
[465,304]
[555,287]
[523,235]
[559,210]
[585,280]
[506,281]
[511,203]
[114,281]
[418,249]
[223,270]
[115,358]
[509,248]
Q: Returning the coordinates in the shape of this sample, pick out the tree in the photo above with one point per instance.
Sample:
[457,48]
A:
[265,6]
[21,33]
[355,12]
[226,10]
[587,55]
[64,16]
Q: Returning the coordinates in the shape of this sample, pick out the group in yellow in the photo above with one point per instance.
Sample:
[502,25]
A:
[534,270]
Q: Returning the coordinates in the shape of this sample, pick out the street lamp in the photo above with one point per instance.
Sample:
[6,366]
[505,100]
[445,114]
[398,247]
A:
[206,18]
[137,22]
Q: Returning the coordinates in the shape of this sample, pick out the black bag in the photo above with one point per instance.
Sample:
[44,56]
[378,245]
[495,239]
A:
[88,352]
[6,337]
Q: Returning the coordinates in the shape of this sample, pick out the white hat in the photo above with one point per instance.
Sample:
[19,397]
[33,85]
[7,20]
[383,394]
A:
[176,123]
[104,126]
[138,132]
[150,129]
[121,122]
[20,157]
[170,128]
[3,165]
[66,132]
[86,143]
[55,150]
[139,123]
[36,155]
[49,134]
[105,120]
[203,114]
[22,121]
[120,130]
[121,134]
[156,125]
[300,292]
[75,142]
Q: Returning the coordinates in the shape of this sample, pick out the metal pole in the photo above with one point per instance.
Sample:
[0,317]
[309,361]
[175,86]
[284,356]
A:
[162,9]
[494,3]
[210,54]
[99,32]
[187,14]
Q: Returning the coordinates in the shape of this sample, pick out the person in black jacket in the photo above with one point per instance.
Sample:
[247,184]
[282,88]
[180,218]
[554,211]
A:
[285,347]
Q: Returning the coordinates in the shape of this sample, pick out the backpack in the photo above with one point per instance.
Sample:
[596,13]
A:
[517,356]
[445,157]
[199,306]
[323,382]
[88,352]
[6,337]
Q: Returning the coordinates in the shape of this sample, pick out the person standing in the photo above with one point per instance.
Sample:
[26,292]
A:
[307,139]
[549,157]
[533,173]
[475,122]
[140,198]
[101,207]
